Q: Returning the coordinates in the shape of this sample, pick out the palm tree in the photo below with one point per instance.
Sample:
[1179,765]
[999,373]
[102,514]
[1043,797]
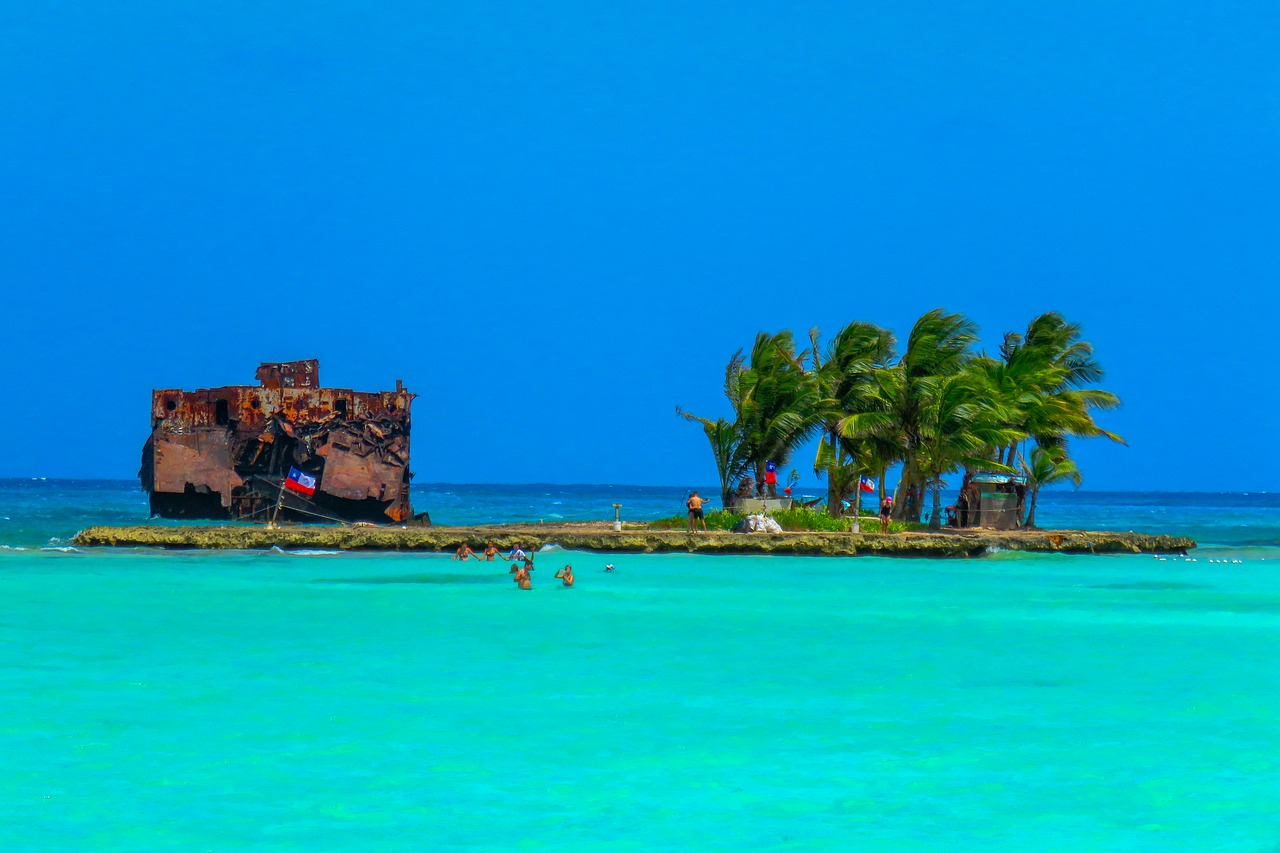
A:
[841,471]
[772,411]
[839,378]
[1047,465]
[1041,379]
[937,408]
[881,452]
[1059,343]
[895,397]
[774,401]
[873,455]
[960,421]
[725,447]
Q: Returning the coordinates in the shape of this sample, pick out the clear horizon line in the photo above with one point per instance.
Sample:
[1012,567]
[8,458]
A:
[818,487]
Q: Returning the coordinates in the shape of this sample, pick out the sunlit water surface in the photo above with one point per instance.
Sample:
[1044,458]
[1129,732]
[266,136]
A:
[363,702]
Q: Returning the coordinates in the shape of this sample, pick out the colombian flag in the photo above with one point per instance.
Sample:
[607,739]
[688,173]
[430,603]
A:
[300,482]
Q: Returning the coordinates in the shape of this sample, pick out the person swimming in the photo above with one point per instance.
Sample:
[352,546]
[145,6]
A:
[522,579]
[464,553]
[566,575]
[490,552]
[608,567]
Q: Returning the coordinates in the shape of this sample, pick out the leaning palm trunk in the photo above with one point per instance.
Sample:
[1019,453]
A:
[908,496]
[1044,467]
[724,440]
[903,489]
[1030,523]
[835,500]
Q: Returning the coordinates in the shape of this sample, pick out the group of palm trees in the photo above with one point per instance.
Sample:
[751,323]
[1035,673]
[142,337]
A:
[939,407]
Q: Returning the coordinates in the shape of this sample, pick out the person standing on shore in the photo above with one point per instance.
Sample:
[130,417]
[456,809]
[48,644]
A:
[695,513]
[886,510]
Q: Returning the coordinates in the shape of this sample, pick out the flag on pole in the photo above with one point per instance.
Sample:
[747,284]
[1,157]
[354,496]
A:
[866,484]
[300,482]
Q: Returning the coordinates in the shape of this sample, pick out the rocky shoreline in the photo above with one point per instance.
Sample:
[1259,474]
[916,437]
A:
[633,538]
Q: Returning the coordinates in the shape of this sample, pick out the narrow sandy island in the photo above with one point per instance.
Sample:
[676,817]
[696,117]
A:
[634,538]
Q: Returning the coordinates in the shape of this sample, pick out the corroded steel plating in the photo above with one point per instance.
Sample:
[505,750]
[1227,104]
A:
[223,452]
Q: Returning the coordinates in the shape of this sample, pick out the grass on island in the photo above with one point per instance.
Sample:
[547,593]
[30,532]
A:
[799,520]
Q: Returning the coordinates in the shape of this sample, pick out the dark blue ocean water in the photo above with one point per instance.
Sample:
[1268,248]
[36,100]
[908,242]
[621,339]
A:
[313,701]
[34,511]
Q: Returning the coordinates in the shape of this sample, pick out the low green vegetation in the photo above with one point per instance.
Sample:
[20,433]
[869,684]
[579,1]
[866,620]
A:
[799,520]
[807,519]
[716,520]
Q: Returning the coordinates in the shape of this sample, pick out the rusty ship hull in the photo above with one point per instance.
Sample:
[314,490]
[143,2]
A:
[225,453]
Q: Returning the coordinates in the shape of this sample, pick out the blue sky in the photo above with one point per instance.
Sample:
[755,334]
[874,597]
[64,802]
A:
[557,223]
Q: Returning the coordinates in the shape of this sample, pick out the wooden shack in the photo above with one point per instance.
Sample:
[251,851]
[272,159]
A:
[992,501]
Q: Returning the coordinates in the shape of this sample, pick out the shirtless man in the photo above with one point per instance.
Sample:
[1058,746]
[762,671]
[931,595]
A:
[566,575]
[695,513]
[464,553]
[522,579]
[490,552]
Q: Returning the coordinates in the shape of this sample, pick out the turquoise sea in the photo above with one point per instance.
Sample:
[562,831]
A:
[365,702]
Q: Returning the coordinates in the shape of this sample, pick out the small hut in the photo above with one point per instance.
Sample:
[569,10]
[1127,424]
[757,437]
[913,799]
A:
[993,501]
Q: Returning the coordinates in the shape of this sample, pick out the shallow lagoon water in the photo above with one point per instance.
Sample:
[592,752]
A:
[273,701]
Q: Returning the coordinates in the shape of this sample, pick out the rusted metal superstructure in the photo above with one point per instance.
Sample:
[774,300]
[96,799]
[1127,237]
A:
[225,452]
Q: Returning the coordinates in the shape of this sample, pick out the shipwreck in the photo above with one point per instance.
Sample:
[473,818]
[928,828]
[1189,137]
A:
[226,453]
